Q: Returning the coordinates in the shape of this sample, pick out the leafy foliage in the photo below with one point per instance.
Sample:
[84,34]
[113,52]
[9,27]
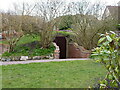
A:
[108,54]
[30,49]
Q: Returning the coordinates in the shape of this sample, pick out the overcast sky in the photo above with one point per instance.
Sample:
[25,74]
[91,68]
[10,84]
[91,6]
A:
[7,4]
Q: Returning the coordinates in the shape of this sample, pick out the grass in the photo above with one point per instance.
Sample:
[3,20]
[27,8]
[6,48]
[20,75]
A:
[25,39]
[3,42]
[66,74]
[0,78]
[63,33]
[29,46]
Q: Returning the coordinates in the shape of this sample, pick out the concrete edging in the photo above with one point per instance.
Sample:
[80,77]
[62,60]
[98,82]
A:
[38,61]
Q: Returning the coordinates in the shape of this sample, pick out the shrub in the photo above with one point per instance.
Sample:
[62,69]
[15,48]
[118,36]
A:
[30,49]
[108,54]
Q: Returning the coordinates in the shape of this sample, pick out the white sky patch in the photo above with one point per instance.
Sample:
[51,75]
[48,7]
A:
[8,4]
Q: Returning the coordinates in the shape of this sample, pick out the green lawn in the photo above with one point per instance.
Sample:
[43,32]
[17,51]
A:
[66,74]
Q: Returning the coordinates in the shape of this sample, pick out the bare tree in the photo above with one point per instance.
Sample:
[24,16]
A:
[87,22]
[13,24]
[32,19]
[11,29]
[48,11]
[0,22]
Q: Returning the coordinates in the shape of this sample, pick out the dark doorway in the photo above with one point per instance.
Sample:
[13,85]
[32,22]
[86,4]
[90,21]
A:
[61,42]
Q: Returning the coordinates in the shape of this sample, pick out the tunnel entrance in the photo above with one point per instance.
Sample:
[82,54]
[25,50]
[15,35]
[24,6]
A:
[61,42]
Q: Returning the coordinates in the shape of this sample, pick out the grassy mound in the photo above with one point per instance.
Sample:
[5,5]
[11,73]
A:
[30,49]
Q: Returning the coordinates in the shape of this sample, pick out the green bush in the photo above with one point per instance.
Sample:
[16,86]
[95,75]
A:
[7,54]
[108,54]
[30,49]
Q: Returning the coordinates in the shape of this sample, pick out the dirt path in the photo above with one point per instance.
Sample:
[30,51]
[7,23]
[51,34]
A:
[37,61]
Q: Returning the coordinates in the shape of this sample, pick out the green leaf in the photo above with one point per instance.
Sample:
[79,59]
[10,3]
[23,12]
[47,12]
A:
[109,38]
[118,44]
[102,85]
[101,34]
[101,39]
[112,32]
[106,43]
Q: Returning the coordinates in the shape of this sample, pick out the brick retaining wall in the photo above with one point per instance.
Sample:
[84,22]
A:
[77,51]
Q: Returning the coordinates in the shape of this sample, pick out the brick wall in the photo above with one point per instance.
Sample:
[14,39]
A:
[77,52]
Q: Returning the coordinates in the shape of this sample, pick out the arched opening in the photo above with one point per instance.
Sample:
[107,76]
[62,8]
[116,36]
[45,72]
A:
[61,42]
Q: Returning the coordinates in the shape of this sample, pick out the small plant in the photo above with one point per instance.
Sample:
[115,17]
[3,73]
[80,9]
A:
[108,53]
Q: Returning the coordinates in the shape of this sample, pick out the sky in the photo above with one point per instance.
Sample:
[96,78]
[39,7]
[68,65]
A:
[7,4]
